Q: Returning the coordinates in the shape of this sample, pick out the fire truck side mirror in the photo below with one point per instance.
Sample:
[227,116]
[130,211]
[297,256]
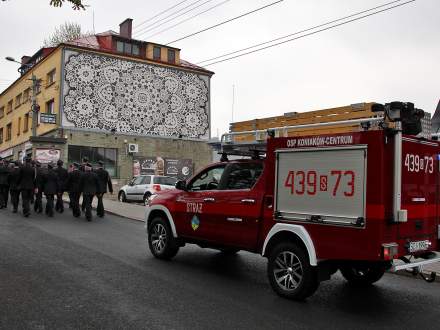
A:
[181,185]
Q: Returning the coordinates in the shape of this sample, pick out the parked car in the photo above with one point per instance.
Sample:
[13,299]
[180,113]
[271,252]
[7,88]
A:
[142,187]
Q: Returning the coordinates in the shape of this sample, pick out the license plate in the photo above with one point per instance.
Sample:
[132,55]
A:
[419,246]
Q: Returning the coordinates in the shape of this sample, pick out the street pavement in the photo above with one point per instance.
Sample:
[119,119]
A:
[66,273]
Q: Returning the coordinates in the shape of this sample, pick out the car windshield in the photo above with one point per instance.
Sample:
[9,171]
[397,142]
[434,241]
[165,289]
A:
[165,180]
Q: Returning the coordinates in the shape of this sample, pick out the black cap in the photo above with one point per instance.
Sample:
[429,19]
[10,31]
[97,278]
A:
[28,159]
[60,162]
[49,165]
[85,160]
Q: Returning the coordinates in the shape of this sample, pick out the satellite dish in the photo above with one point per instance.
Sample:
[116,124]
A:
[435,121]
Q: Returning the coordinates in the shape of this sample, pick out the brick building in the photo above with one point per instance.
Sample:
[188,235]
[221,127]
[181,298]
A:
[113,98]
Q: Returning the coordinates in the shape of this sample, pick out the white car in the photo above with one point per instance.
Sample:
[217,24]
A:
[142,187]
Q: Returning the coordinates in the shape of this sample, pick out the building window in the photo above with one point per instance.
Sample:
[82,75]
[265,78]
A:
[156,53]
[2,112]
[1,135]
[136,50]
[108,155]
[50,79]
[127,48]
[26,95]
[19,126]
[8,132]
[38,87]
[171,56]
[119,46]
[26,123]
[18,100]
[50,109]
[9,108]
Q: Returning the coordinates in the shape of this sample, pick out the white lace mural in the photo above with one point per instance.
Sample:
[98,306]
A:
[102,92]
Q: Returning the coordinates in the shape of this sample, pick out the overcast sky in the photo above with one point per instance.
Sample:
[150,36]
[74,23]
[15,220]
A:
[390,56]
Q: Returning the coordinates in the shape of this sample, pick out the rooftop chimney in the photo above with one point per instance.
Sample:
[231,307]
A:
[25,59]
[125,28]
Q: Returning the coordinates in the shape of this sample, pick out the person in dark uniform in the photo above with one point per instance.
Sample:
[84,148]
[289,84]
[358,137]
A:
[27,185]
[4,187]
[89,186]
[50,188]
[38,205]
[73,187]
[104,182]
[32,199]
[14,185]
[85,161]
[62,178]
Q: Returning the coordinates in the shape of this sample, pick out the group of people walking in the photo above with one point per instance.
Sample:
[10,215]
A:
[31,180]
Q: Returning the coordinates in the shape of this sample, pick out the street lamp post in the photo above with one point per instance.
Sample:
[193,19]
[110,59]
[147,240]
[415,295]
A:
[34,105]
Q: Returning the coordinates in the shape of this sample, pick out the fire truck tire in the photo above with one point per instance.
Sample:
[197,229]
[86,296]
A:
[362,274]
[290,273]
[161,241]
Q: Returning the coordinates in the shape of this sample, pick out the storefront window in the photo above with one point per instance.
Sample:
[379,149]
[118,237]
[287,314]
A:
[108,155]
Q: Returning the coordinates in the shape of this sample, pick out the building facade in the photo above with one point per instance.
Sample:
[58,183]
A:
[112,98]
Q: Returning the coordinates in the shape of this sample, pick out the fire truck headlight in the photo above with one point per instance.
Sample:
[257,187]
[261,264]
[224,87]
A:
[389,251]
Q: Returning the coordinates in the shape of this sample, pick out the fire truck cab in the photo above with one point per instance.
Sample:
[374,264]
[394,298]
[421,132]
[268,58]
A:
[362,202]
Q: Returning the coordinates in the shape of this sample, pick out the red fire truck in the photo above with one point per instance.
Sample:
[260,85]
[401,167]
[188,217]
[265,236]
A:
[360,202]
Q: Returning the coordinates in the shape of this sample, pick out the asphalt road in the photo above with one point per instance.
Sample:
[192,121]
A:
[65,273]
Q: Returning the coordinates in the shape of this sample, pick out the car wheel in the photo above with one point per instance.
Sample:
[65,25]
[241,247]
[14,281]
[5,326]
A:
[363,274]
[121,197]
[146,198]
[290,273]
[161,241]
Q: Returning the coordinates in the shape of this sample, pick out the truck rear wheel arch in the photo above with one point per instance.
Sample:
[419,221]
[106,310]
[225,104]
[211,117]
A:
[291,233]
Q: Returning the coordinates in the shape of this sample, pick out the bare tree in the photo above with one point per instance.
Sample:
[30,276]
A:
[66,32]
[77,4]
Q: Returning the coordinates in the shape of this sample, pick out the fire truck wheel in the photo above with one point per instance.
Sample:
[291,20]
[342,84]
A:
[290,273]
[160,239]
[363,274]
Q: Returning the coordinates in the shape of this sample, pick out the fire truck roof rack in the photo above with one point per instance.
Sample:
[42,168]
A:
[245,143]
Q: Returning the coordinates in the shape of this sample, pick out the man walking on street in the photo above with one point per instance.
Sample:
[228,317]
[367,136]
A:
[14,186]
[82,168]
[4,188]
[104,182]
[27,185]
[73,186]
[50,188]
[62,178]
[38,205]
[89,187]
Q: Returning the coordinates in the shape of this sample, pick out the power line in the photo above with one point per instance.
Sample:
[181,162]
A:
[187,19]
[224,22]
[157,15]
[309,34]
[298,32]
[153,25]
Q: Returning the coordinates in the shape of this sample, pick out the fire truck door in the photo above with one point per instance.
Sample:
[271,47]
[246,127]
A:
[419,189]
[238,221]
[199,206]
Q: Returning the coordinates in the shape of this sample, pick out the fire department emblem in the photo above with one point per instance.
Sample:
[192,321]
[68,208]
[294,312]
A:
[195,222]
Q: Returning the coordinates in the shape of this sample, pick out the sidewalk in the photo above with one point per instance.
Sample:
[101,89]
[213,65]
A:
[125,210]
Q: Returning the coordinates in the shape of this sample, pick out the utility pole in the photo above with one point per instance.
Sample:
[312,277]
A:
[34,107]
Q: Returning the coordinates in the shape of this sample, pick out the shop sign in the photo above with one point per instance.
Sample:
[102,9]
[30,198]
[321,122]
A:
[46,156]
[178,168]
[7,153]
[47,118]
